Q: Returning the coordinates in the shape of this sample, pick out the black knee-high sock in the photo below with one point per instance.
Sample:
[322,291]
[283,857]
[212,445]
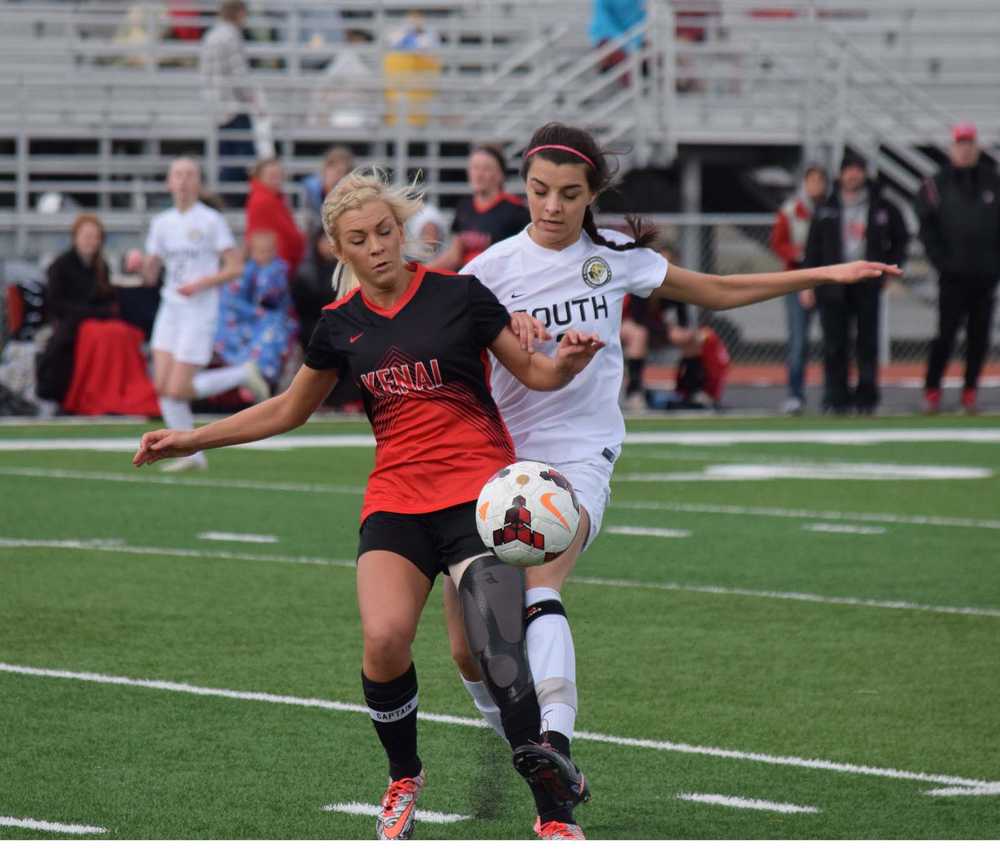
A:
[635,367]
[393,709]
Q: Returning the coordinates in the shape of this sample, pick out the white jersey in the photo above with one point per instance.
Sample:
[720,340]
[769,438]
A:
[581,287]
[189,244]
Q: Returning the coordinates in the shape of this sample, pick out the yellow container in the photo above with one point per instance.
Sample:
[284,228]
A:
[409,73]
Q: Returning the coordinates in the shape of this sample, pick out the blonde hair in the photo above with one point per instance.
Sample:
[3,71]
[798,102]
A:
[356,189]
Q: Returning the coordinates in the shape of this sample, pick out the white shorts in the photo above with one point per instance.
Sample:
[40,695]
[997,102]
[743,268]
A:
[186,332]
[591,480]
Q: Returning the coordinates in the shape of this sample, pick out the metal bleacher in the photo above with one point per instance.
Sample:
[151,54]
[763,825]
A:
[96,97]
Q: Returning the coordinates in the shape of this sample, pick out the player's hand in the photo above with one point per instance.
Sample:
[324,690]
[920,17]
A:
[858,271]
[528,328]
[807,299]
[575,350]
[191,288]
[164,443]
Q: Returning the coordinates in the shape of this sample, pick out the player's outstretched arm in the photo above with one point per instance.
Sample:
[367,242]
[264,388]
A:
[539,372]
[729,292]
[279,414]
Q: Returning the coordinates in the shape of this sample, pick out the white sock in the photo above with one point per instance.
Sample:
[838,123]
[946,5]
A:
[216,381]
[486,705]
[177,415]
[553,664]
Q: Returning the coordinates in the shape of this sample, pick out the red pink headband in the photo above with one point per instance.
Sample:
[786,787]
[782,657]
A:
[564,148]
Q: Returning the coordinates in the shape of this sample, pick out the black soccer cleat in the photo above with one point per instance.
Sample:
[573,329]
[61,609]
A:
[548,769]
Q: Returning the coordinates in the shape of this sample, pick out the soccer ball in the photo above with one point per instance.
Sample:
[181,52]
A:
[527,513]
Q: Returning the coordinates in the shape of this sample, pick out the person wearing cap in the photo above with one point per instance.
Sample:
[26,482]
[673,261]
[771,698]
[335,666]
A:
[856,221]
[959,210]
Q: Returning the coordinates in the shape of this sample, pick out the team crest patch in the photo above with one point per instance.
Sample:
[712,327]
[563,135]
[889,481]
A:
[596,272]
[194,235]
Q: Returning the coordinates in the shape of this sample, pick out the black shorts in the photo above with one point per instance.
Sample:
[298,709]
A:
[430,541]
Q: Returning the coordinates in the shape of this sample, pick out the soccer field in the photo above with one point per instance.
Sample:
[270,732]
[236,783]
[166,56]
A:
[786,630]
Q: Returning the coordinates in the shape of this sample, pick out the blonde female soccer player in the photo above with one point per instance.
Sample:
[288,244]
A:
[415,343]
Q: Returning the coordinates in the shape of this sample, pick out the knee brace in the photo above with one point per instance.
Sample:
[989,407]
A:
[492,597]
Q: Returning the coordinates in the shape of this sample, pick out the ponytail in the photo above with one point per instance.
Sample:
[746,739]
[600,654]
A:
[644,235]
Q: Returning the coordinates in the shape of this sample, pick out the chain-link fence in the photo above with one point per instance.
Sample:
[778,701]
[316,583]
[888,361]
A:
[757,334]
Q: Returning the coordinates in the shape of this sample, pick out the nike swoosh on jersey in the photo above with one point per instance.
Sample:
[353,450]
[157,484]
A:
[355,338]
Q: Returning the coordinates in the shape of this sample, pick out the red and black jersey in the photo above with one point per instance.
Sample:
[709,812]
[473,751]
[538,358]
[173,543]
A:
[424,375]
[479,227]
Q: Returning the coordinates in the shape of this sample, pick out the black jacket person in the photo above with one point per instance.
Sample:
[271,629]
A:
[856,221]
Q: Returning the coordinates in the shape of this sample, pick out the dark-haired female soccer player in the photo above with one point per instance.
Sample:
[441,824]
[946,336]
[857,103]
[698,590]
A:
[559,273]
[415,342]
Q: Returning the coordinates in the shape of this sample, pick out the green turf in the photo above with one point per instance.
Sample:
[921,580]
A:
[911,690]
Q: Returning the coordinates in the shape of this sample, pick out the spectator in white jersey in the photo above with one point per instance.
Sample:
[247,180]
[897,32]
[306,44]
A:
[188,243]
[562,272]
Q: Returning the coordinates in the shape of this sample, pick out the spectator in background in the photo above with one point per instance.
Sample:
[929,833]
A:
[788,241]
[79,287]
[428,228]
[856,221]
[257,324]
[187,241]
[224,71]
[337,163]
[959,213]
[488,216]
[267,210]
[611,19]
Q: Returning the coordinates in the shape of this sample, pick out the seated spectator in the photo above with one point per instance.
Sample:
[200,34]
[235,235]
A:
[257,325]
[78,287]
[267,210]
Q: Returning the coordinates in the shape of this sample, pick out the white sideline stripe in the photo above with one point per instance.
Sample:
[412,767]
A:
[661,745]
[660,506]
[747,803]
[696,438]
[737,472]
[789,595]
[991,790]
[821,527]
[840,436]
[355,808]
[664,532]
[49,826]
[223,536]
[109,546]
[153,479]
[807,514]
[114,546]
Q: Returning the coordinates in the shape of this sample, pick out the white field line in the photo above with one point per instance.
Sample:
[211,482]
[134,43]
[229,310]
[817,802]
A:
[223,536]
[634,742]
[807,514]
[663,532]
[691,438]
[151,478]
[789,595]
[113,546]
[753,472]
[861,530]
[991,790]
[642,505]
[747,803]
[49,826]
[430,817]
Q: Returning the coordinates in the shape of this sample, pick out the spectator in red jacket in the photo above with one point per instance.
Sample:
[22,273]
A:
[788,241]
[267,210]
